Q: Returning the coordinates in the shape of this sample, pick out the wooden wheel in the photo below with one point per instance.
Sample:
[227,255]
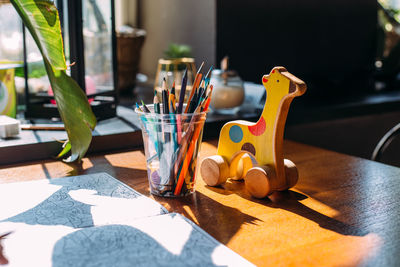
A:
[214,170]
[258,181]
[291,173]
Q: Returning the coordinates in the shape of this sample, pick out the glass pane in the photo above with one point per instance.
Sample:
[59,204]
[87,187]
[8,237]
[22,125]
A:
[65,33]
[38,82]
[11,54]
[11,47]
[97,46]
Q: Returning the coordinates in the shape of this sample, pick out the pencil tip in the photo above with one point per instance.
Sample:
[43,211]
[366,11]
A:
[164,84]
[201,67]
[209,72]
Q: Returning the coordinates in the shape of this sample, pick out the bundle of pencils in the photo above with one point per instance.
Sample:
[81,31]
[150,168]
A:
[181,128]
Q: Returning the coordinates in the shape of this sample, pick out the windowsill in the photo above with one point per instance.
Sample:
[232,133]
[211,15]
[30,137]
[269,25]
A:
[119,133]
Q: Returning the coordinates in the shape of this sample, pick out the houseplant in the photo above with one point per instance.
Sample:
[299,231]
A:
[42,20]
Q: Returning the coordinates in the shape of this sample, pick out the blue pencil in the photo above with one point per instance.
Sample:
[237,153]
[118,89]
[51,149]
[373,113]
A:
[208,77]
[173,122]
[151,131]
[156,103]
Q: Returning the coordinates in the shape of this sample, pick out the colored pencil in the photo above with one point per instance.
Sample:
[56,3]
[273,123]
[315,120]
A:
[165,102]
[182,172]
[172,98]
[193,102]
[167,135]
[204,107]
[188,157]
[182,94]
[172,116]
[196,84]
[165,97]
[145,108]
[200,97]
[183,147]
[208,77]
[138,107]
[207,104]
[156,103]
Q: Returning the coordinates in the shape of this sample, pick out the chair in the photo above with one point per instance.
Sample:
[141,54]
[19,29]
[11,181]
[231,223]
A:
[385,141]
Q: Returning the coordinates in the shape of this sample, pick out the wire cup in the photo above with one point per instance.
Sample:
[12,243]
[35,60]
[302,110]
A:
[171,144]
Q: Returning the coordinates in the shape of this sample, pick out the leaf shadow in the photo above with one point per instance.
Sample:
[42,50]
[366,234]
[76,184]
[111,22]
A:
[125,245]
[129,176]
[48,11]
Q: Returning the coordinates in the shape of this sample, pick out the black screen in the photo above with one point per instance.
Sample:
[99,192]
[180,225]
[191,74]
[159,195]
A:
[330,44]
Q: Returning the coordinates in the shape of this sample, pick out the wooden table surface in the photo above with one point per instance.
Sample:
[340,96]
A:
[343,212]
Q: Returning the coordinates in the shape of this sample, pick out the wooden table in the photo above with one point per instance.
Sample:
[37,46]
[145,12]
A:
[344,211]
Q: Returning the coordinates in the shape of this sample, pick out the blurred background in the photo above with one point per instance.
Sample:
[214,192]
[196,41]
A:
[348,53]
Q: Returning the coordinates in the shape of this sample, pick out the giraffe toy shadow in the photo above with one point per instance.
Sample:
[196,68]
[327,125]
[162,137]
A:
[254,151]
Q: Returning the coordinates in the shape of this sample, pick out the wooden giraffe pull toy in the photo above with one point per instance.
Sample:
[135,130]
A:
[255,150]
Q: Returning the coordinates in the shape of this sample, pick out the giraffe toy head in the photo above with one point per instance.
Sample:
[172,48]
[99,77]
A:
[281,79]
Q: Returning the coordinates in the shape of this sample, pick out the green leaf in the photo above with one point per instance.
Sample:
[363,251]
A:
[74,110]
[42,20]
[65,150]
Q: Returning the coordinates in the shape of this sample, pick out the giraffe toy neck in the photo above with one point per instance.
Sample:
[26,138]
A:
[277,87]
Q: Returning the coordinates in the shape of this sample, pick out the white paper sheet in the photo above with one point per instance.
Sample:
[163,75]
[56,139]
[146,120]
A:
[95,220]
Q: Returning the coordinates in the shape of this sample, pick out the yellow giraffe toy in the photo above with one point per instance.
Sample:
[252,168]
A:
[255,150]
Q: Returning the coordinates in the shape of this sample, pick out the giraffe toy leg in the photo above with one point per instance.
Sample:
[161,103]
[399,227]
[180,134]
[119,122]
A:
[240,163]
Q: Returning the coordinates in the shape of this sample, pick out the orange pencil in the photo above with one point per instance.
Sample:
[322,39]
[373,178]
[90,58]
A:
[209,98]
[187,159]
[184,142]
[184,145]
[189,154]
[206,103]
[196,84]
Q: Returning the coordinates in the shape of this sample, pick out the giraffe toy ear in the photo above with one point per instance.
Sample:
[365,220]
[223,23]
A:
[297,86]
[278,69]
